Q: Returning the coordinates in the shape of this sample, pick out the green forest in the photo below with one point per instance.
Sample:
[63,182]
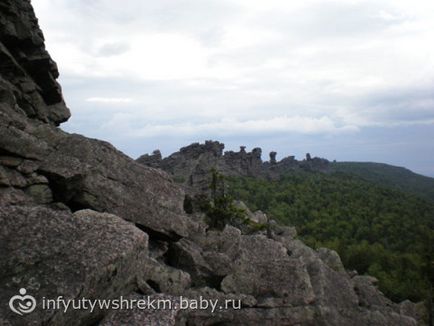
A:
[376,230]
[388,175]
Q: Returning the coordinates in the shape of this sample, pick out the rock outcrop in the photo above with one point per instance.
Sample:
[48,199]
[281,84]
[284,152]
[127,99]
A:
[191,166]
[79,219]
[27,70]
[55,253]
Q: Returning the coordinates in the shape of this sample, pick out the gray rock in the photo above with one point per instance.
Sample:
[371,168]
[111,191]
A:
[260,217]
[13,196]
[86,173]
[41,193]
[160,317]
[302,315]
[331,259]
[93,174]
[191,166]
[10,161]
[165,279]
[209,293]
[11,177]
[153,160]
[265,271]
[187,255]
[282,232]
[52,253]
[418,311]
[273,157]
[28,69]
[369,296]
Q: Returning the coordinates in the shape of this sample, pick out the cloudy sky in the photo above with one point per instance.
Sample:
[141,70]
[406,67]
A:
[345,80]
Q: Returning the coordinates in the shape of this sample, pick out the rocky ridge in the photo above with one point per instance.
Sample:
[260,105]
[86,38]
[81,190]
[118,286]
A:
[81,219]
[192,164]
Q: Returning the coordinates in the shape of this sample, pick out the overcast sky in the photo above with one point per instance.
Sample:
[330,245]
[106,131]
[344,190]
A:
[345,80]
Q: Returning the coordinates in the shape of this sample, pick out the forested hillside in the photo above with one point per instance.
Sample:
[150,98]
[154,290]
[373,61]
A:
[389,175]
[377,230]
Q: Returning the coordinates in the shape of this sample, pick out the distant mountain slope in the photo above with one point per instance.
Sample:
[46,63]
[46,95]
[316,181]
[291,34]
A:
[390,176]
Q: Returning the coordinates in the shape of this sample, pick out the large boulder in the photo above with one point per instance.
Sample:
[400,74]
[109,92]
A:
[188,256]
[55,253]
[265,271]
[161,278]
[331,259]
[86,173]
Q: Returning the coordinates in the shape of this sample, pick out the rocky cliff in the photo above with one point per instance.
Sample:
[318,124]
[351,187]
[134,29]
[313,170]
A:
[79,219]
[192,164]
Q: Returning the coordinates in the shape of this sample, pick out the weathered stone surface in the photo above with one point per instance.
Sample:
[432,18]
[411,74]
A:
[332,288]
[265,271]
[13,196]
[166,279]
[366,289]
[192,165]
[227,241]
[260,217]
[81,172]
[52,253]
[187,255]
[209,293]
[40,193]
[11,177]
[87,173]
[285,233]
[93,174]
[331,259]
[303,315]
[26,66]
[10,161]
[417,311]
[273,157]
[257,217]
[151,317]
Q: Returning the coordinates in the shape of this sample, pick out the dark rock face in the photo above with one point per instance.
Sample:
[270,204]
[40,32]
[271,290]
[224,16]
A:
[192,165]
[153,160]
[82,220]
[28,72]
[273,157]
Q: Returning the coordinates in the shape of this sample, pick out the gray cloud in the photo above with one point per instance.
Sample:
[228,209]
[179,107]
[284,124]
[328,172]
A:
[321,74]
[112,49]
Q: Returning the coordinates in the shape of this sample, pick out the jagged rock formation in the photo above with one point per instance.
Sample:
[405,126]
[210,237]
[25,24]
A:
[191,166]
[28,72]
[81,219]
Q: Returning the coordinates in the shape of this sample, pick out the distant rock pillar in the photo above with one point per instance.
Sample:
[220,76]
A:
[156,155]
[273,157]
[154,160]
[257,152]
[308,157]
